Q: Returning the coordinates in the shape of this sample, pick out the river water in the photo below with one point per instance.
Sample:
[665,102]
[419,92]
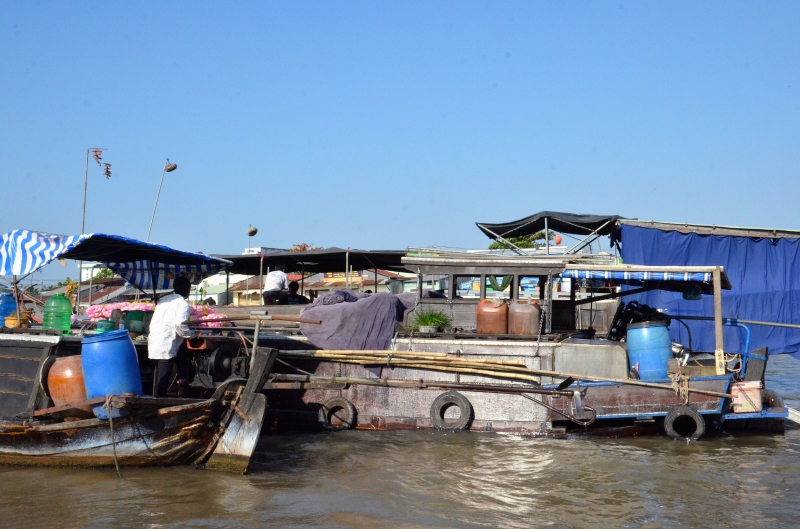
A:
[429,479]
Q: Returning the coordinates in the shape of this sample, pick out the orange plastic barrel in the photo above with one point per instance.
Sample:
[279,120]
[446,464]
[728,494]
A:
[65,381]
[492,317]
[524,316]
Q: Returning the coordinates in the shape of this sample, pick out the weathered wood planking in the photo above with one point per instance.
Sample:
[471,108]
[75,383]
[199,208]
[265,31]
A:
[19,368]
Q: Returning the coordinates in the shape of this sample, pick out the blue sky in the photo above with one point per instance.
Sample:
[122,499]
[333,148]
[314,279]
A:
[387,124]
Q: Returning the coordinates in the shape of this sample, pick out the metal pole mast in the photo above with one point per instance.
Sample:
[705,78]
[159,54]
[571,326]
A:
[83,227]
[157,197]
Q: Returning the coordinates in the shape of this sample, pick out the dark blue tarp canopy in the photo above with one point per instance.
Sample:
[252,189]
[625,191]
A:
[764,275]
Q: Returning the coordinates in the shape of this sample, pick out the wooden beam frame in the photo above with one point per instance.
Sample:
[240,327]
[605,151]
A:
[719,344]
[616,295]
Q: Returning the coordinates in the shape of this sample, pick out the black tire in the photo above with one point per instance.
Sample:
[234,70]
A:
[771,399]
[337,414]
[444,402]
[684,424]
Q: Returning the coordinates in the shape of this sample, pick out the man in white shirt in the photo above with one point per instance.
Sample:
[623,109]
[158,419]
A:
[274,284]
[167,333]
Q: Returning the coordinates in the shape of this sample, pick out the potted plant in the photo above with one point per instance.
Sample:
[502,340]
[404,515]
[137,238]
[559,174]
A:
[432,321]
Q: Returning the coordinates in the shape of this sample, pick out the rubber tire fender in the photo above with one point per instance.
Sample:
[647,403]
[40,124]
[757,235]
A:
[334,405]
[771,399]
[447,400]
[684,411]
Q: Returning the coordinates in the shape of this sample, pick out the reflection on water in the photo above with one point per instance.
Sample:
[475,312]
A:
[427,479]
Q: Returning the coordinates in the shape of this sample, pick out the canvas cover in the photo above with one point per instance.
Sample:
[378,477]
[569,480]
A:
[574,223]
[764,275]
[145,265]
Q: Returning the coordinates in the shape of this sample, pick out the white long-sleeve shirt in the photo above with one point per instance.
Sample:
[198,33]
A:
[167,329]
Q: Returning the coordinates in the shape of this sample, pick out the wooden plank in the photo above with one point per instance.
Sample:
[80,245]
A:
[68,407]
[119,401]
[122,401]
[719,351]
[233,451]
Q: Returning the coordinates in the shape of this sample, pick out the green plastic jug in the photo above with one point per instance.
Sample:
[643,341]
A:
[58,314]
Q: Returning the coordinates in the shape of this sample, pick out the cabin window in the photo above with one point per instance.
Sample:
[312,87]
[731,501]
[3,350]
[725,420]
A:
[499,286]
[528,287]
[467,286]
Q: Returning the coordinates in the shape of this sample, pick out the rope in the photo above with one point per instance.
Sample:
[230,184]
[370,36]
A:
[680,384]
[245,341]
[541,323]
[110,409]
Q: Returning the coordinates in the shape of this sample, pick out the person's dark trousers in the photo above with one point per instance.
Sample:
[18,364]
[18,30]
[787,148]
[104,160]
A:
[164,371]
[278,297]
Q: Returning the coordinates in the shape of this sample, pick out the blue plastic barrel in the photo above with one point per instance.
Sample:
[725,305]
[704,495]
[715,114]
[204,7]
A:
[110,367]
[8,306]
[650,346]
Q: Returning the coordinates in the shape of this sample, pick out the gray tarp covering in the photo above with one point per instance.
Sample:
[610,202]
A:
[367,323]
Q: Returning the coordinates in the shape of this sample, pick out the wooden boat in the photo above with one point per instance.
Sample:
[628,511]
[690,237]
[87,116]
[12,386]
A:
[219,432]
[565,380]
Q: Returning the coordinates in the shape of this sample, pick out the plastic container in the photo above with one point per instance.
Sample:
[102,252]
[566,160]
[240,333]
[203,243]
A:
[134,322]
[747,397]
[524,317]
[105,326]
[110,367]
[65,381]
[7,305]
[12,322]
[492,317]
[649,346]
[58,314]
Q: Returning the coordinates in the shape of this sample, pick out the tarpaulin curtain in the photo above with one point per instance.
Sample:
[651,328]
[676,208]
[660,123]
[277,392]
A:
[764,275]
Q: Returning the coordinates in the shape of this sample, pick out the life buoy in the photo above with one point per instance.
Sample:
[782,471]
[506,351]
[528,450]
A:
[444,402]
[684,424]
[337,414]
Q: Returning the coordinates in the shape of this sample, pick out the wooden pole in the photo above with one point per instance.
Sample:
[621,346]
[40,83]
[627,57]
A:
[719,348]
[502,372]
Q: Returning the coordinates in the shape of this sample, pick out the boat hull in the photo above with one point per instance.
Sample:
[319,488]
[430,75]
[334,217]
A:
[391,408]
[169,436]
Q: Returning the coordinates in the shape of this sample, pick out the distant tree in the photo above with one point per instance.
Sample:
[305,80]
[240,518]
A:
[68,281]
[526,241]
[104,273]
[72,286]
[304,247]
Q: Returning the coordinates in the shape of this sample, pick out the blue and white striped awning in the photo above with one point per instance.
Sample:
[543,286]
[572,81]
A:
[619,275]
[145,265]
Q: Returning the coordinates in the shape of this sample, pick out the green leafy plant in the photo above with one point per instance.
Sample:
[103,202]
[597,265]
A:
[432,318]
[526,241]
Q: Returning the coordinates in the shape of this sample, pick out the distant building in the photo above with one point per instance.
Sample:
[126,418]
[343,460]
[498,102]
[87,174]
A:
[262,250]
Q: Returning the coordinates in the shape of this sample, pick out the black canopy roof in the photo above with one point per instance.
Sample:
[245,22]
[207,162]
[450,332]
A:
[327,260]
[562,222]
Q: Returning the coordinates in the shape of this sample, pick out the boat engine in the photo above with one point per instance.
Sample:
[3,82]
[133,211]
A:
[217,365]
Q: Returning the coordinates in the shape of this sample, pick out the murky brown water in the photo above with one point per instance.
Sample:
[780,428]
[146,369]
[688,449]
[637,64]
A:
[427,479]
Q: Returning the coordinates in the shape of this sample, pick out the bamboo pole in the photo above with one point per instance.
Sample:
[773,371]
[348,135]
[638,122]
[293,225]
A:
[381,359]
[406,354]
[520,374]
[397,362]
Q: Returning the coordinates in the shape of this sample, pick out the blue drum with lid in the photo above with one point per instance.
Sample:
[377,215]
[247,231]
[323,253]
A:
[649,346]
[110,367]
[8,306]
